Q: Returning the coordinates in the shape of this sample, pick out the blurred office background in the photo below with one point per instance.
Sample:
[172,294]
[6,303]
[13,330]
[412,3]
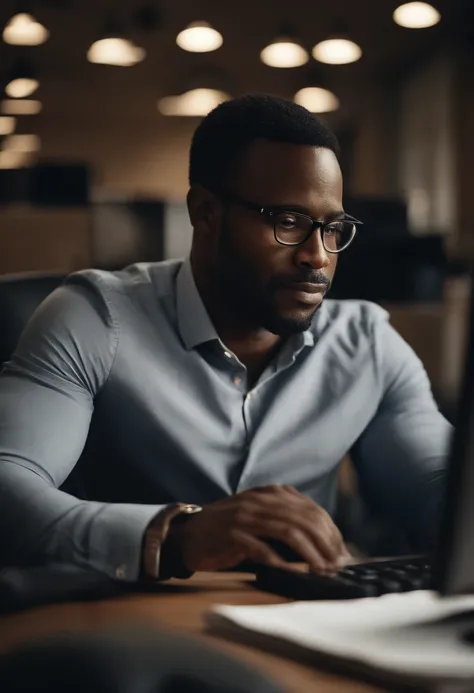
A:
[99,100]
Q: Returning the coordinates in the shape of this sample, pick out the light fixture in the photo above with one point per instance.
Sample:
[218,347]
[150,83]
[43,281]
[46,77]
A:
[10,159]
[317,99]
[7,125]
[199,37]
[416,15]
[113,48]
[284,51]
[24,30]
[21,87]
[194,103]
[20,107]
[337,51]
[21,143]
[22,81]
[115,51]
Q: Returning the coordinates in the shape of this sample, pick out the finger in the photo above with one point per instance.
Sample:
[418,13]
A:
[328,544]
[293,537]
[325,532]
[330,538]
[256,550]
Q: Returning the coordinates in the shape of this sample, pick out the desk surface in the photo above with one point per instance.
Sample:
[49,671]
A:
[179,606]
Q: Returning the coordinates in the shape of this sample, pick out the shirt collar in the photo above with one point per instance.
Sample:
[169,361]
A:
[194,322]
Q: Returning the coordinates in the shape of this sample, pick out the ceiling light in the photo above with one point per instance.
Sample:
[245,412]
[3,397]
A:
[22,80]
[317,99]
[11,159]
[337,51]
[199,37]
[21,88]
[22,143]
[196,102]
[24,30]
[20,107]
[416,15]
[7,125]
[284,51]
[115,51]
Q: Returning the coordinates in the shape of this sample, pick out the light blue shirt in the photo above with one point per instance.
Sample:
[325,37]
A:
[131,362]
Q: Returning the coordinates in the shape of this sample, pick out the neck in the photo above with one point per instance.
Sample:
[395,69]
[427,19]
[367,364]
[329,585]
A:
[235,331]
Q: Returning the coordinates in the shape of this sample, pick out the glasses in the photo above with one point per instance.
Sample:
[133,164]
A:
[293,228]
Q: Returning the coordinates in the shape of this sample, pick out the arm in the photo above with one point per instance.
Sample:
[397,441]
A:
[47,396]
[402,455]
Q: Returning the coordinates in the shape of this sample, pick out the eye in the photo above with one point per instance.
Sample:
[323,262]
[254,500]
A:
[286,221]
[334,228]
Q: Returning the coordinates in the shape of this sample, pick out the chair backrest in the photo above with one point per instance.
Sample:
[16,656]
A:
[20,296]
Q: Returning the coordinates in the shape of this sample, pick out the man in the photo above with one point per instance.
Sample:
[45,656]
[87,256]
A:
[222,381]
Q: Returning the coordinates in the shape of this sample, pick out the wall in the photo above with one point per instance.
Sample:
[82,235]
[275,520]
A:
[178,231]
[46,240]
[427,170]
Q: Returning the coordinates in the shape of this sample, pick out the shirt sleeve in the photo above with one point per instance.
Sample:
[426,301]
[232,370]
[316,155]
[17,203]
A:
[47,394]
[401,457]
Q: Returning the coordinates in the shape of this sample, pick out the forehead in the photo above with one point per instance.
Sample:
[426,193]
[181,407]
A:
[279,173]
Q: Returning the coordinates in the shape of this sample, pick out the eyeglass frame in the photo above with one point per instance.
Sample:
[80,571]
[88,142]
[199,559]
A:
[272,211]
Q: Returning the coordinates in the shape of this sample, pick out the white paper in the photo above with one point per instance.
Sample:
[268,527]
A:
[398,633]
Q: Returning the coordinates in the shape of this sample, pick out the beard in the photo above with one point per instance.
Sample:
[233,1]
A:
[253,303]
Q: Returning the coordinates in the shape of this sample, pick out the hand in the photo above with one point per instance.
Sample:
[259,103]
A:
[234,529]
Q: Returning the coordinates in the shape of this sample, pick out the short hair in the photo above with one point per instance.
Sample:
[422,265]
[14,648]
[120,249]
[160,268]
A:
[224,134]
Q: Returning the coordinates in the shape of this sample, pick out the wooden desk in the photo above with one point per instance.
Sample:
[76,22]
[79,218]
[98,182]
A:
[180,606]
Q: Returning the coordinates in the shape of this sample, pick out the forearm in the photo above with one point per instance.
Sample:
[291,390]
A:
[401,463]
[39,523]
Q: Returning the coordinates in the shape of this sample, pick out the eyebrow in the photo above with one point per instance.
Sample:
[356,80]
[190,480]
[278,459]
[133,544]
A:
[304,210]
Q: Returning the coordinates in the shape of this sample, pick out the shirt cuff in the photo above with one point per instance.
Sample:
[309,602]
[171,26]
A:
[116,539]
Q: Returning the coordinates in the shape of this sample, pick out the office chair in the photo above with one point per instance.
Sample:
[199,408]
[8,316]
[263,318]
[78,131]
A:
[20,296]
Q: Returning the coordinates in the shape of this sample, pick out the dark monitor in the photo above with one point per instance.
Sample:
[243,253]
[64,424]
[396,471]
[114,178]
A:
[59,185]
[454,559]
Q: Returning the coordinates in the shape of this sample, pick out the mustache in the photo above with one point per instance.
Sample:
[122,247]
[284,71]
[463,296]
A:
[308,277]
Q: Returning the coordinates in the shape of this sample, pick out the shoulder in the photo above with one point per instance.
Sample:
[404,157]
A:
[156,277]
[354,318]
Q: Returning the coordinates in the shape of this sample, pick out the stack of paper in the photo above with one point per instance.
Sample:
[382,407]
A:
[415,634]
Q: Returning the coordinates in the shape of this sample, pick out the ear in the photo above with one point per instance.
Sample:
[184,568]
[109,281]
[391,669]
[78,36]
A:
[204,210]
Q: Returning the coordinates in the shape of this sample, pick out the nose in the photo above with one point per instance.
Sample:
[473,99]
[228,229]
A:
[312,253]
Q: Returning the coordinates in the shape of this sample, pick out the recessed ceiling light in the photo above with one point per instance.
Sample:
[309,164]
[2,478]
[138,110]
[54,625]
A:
[10,159]
[284,52]
[337,51]
[7,125]
[416,15]
[317,99]
[20,107]
[199,37]
[22,143]
[22,87]
[115,51]
[24,30]
[196,102]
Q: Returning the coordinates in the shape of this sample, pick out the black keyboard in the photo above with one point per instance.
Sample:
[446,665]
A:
[370,579]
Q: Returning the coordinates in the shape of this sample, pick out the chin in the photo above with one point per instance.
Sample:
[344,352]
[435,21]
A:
[287,324]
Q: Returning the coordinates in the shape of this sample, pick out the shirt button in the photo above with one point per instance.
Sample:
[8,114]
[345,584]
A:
[121,572]
[237,380]
[228,354]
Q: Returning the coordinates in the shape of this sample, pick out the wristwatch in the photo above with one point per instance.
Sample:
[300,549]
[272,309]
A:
[155,535]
